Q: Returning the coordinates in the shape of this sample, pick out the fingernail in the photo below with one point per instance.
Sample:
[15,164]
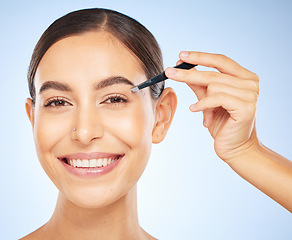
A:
[171,71]
[184,54]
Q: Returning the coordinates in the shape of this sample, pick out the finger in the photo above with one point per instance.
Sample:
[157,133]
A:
[204,78]
[217,88]
[238,109]
[208,117]
[191,69]
[200,91]
[243,94]
[218,61]
[179,62]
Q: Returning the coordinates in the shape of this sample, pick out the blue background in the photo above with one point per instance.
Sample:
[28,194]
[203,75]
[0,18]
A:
[186,192]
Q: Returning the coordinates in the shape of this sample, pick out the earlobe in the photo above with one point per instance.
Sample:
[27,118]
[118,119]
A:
[165,109]
[29,107]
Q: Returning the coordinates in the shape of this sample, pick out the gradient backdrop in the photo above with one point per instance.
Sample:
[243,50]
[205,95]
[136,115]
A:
[186,192]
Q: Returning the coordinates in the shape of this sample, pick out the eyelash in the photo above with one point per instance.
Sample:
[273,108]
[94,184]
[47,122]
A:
[118,98]
[63,102]
[54,101]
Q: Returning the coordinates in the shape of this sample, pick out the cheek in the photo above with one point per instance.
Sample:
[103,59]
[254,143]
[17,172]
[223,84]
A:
[133,126]
[48,132]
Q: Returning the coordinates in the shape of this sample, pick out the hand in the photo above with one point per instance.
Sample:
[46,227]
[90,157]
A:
[227,98]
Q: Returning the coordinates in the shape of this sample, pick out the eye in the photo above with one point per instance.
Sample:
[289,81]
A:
[57,102]
[116,99]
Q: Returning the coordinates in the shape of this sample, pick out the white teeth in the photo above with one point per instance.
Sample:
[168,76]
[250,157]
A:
[92,163]
[74,163]
[85,163]
[99,162]
[104,162]
[79,163]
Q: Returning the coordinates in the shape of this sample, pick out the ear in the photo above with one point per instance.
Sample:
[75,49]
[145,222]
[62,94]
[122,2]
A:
[164,112]
[29,107]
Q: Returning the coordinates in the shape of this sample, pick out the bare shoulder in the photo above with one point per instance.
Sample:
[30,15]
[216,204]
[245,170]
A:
[148,236]
[37,234]
[32,236]
[28,237]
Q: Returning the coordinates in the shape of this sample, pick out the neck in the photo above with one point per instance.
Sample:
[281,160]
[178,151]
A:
[118,220]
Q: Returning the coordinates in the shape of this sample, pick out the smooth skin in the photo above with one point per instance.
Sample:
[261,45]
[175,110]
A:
[108,118]
[228,99]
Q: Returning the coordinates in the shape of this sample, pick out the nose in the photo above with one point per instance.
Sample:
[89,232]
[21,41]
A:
[88,126]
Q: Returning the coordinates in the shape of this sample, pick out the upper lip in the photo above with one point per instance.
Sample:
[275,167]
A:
[93,155]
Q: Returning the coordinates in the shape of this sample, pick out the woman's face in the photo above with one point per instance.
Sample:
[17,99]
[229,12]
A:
[83,82]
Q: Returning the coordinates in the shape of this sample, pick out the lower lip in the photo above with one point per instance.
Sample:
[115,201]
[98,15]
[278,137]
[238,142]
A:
[91,172]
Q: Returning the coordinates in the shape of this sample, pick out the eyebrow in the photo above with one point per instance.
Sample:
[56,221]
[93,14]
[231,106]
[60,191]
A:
[102,84]
[55,85]
[113,80]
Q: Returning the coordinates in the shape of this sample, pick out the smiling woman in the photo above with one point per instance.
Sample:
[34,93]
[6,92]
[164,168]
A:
[93,135]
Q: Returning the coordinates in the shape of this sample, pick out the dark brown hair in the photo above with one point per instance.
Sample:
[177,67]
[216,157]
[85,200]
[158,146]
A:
[128,31]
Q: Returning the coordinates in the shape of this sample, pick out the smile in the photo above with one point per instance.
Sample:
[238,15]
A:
[90,164]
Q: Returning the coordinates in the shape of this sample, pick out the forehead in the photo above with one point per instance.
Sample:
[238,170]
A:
[91,55]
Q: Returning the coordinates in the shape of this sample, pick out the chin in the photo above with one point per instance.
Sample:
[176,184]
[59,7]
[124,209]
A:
[95,196]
